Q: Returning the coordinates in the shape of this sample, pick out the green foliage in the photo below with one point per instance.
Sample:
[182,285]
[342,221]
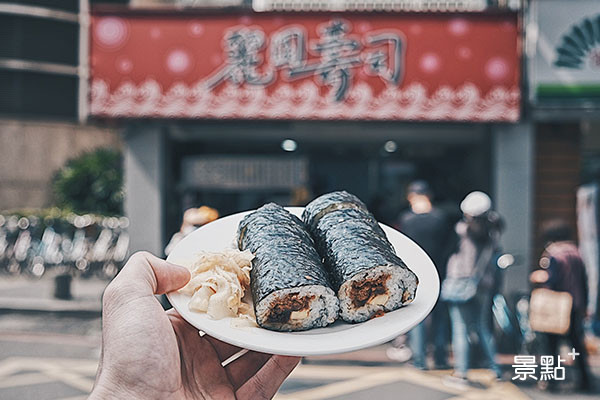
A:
[91,183]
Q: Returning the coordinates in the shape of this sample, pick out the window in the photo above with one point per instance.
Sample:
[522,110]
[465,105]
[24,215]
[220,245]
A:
[25,93]
[38,39]
[39,56]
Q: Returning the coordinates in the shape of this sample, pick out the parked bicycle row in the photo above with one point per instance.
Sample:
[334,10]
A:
[83,245]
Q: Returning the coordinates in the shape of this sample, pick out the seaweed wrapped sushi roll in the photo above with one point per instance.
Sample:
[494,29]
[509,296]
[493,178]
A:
[365,271]
[290,286]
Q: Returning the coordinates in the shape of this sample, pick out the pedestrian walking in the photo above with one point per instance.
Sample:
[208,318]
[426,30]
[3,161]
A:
[430,228]
[471,282]
[193,218]
[562,271]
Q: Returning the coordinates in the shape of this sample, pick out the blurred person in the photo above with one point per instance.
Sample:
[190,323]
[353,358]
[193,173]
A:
[562,270]
[472,280]
[430,228]
[148,353]
[300,196]
[193,218]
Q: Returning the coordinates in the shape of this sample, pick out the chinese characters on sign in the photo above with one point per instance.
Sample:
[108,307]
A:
[296,66]
[242,49]
[525,367]
[339,53]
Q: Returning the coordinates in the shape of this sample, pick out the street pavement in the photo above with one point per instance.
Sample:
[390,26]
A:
[54,355]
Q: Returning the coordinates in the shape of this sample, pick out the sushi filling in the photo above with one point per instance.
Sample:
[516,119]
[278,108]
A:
[369,290]
[290,307]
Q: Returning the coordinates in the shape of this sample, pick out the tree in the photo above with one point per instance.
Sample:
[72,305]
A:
[91,183]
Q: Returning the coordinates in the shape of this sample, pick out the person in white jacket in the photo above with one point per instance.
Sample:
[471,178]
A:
[475,264]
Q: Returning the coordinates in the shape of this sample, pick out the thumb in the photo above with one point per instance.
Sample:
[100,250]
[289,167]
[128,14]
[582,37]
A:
[169,276]
[146,274]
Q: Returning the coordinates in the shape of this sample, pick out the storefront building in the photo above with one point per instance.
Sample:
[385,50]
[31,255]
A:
[564,94]
[43,83]
[234,108]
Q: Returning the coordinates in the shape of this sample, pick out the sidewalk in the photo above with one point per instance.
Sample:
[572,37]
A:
[29,295]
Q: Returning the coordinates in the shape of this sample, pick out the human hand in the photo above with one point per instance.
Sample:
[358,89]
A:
[148,353]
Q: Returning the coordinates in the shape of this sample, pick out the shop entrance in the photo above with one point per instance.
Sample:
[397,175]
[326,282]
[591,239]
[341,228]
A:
[380,177]
[236,175]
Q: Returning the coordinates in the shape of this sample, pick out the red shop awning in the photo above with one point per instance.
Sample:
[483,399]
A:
[306,66]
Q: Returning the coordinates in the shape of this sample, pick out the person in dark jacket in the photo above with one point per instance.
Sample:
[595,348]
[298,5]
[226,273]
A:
[562,270]
[429,227]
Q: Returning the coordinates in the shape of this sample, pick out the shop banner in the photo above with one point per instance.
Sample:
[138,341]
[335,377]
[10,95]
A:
[566,61]
[587,227]
[316,66]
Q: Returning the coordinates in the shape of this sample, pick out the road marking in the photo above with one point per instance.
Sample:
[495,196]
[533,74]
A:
[427,379]
[33,378]
[343,387]
[71,340]
[71,372]
[362,378]
[79,374]
[334,372]
[10,365]
[71,378]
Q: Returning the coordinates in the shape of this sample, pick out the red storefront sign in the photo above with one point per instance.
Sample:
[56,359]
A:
[306,66]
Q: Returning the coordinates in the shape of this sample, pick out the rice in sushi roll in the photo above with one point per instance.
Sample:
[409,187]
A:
[365,271]
[290,286]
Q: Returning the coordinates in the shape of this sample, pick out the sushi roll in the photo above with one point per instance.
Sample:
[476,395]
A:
[365,271]
[290,286]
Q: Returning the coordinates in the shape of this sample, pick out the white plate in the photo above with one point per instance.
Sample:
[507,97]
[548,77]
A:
[339,337]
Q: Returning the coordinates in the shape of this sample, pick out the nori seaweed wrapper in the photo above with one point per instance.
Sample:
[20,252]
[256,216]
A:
[347,236]
[284,253]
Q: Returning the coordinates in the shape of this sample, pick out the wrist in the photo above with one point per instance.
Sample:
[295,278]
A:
[111,386]
[108,389]
[102,392]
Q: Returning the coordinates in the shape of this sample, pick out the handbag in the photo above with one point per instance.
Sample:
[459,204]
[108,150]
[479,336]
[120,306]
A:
[463,289]
[550,311]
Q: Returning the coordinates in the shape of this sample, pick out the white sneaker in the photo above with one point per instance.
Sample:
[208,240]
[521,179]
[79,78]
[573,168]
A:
[456,382]
[400,354]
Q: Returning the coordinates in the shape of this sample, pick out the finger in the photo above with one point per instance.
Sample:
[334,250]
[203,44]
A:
[240,370]
[264,384]
[201,369]
[173,313]
[181,323]
[246,367]
[224,350]
[146,274]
